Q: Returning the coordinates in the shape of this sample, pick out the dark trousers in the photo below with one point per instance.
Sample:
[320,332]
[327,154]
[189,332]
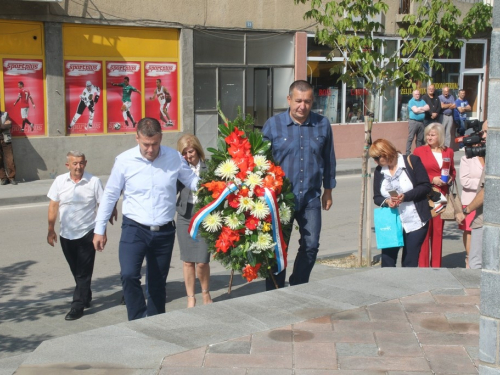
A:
[412,244]
[309,222]
[136,243]
[80,255]
[7,166]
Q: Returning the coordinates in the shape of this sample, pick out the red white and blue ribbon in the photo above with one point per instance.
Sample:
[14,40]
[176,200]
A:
[280,248]
[205,211]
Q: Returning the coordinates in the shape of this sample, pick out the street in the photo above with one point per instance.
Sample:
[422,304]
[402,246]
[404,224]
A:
[36,284]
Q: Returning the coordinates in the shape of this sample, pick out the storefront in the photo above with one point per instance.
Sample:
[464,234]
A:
[249,70]
[466,69]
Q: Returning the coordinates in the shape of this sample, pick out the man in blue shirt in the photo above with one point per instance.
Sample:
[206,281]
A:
[302,144]
[147,174]
[459,115]
[416,108]
[447,105]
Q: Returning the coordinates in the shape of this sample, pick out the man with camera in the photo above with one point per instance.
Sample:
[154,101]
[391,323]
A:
[476,244]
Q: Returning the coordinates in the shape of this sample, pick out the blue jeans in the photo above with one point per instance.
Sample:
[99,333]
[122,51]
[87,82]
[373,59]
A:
[309,222]
[411,250]
[137,242]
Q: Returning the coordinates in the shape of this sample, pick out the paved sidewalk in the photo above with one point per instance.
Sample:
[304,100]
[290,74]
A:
[434,332]
[377,321]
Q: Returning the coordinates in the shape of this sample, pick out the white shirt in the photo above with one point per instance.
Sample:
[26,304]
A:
[89,96]
[407,210]
[78,202]
[149,187]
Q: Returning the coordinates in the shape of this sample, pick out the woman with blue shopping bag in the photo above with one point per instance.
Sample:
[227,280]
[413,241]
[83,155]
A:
[400,188]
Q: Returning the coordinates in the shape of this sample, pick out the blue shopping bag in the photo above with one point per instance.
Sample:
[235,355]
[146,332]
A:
[388,227]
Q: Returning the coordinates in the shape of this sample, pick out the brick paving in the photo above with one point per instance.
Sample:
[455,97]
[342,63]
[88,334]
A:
[435,332]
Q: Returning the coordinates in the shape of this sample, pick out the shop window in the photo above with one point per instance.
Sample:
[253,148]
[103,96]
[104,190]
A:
[282,78]
[327,89]
[474,53]
[358,102]
[389,101]
[270,49]
[205,84]
[315,49]
[231,91]
[215,47]
[449,76]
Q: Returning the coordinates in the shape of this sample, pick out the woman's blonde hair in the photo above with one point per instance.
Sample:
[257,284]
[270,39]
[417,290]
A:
[437,127]
[382,148]
[190,140]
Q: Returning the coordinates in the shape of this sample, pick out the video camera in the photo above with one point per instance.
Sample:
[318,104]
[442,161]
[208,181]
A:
[473,143]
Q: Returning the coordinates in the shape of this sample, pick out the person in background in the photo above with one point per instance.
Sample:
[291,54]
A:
[432,100]
[407,176]
[447,105]
[432,156]
[476,225]
[194,254]
[470,175]
[416,108]
[7,165]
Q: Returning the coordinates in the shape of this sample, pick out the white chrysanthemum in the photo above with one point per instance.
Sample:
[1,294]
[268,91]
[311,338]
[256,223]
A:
[232,221]
[264,241]
[253,180]
[246,204]
[227,169]
[213,222]
[260,209]
[261,162]
[285,214]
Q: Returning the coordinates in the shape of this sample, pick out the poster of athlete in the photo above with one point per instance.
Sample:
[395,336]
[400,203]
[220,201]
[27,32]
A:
[23,96]
[84,109]
[123,95]
[160,81]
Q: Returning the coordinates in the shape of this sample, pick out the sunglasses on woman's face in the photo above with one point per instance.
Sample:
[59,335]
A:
[376,158]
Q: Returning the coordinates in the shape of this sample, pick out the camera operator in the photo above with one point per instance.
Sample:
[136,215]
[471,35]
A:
[476,226]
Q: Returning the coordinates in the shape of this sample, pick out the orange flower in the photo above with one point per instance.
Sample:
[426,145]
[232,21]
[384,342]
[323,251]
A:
[235,137]
[216,187]
[227,239]
[250,273]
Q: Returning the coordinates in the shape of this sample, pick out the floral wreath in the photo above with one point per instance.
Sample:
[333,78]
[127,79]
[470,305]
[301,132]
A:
[245,203]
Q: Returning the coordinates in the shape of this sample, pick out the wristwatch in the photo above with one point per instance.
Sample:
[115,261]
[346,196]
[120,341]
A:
[464,210]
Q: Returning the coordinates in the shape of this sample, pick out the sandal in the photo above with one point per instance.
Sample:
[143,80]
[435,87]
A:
[207,299]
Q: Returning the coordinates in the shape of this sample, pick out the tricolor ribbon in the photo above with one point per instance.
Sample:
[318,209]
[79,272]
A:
[270,198]
[280,248]
[205,211]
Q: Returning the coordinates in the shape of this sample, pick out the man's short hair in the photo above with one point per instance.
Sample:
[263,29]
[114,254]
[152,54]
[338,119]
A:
[128,79]
[159,80]
[21,83]
[75,154]
[148,127]
[460,90]
[299,85]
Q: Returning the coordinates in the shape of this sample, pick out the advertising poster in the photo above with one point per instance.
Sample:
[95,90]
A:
[160,82]
[23,96]
[123,95]
[84,104]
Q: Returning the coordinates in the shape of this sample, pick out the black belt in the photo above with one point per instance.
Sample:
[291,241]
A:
[155,228]
[446,114]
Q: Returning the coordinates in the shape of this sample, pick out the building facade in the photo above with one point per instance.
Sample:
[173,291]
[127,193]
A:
[237,53]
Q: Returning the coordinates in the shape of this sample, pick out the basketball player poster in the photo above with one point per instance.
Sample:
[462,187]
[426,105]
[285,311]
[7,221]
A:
[84,101]
[23,96]
[160,81]
[123,95]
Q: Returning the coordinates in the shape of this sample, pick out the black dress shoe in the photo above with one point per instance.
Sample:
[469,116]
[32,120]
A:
[87,305]
[74,314]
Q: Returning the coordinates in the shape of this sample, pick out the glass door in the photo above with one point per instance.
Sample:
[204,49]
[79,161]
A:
[473,86]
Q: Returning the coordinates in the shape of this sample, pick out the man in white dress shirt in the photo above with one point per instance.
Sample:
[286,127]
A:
[147,174]
[76,195]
